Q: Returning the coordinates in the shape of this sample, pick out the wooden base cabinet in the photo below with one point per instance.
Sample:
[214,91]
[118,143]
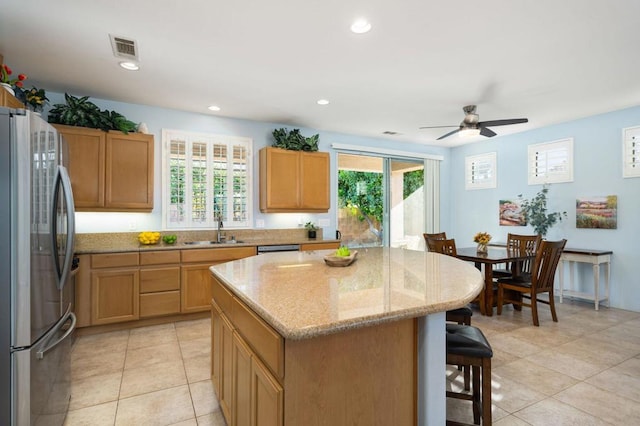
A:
[159,283]
[353,377]
[115,288]
[196,277]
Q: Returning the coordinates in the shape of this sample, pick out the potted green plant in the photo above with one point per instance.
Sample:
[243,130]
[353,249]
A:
[36,99]
[83,113]
[535,212]
[311,229]
[294,141]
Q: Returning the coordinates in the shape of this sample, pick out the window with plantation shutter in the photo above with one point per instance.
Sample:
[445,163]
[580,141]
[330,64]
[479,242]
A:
[480,171]
[206,176]
[551,162]
[631,152]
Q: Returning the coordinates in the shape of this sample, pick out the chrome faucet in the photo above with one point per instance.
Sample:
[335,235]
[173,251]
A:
[220,237]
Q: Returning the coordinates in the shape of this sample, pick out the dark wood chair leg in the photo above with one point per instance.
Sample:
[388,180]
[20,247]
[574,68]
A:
[534,309]
[552,304]
[486,391]
[476,395]
[500,300]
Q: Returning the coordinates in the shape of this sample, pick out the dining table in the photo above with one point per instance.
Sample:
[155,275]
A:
[493,256]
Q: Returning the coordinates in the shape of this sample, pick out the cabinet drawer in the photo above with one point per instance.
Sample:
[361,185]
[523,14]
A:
[217,255]
[159,279]
[163,303]
[264,340]
[319,246]
[160,257]
[111,260]
[222,296]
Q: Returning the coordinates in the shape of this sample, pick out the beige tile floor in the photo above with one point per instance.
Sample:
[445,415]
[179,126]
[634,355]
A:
[583,370]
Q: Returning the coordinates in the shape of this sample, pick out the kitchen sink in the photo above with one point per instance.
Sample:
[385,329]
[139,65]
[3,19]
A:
[205,243]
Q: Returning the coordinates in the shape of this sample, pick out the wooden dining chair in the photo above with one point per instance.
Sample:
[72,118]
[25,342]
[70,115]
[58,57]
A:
[541,281]
[429,238]
[525,245]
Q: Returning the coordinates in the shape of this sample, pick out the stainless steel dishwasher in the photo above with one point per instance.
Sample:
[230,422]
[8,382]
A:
[278,247]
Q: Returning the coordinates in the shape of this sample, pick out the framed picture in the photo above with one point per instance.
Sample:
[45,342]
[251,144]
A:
[597,212]
[511,213]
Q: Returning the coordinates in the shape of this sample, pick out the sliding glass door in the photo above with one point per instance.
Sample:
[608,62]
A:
[381,201]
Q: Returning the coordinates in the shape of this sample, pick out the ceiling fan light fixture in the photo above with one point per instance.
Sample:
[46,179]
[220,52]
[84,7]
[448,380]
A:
[469,133]
[360,26]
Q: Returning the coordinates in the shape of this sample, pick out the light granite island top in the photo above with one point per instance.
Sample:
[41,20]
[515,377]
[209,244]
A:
[389,300]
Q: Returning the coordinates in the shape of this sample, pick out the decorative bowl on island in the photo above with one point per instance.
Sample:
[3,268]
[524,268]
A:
[333,260]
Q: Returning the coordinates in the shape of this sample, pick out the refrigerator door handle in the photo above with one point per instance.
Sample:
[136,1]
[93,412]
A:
[70,316]
[63,178]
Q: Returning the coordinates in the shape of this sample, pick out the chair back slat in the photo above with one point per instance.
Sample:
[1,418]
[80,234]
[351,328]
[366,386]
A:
[525,245]
[430,238]
[546,263]
[447,247]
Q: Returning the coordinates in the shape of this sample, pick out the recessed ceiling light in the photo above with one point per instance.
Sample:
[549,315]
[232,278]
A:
[131,66]
[214,108]
[361,26]
[322,102]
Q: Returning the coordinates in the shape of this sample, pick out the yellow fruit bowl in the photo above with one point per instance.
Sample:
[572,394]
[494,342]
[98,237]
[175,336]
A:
[148,237]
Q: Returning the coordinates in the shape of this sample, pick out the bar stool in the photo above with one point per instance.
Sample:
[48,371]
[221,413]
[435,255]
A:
[467,345]
[462,316]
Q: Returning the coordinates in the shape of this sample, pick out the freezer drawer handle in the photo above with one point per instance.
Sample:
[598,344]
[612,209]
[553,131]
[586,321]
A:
[40,354]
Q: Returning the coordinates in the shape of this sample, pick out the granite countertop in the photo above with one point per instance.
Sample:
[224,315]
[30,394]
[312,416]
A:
[301,297]
[118,242]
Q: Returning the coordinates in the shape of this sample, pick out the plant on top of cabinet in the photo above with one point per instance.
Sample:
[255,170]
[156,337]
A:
[294,141]
[81,112]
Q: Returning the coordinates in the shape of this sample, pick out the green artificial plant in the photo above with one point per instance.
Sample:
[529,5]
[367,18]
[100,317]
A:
[83,113]
[294,141]
[535,212]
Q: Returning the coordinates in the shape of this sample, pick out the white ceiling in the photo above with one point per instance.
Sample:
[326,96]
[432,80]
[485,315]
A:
[270,60]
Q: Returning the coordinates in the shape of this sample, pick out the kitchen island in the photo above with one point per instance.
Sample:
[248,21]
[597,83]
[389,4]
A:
[297,342]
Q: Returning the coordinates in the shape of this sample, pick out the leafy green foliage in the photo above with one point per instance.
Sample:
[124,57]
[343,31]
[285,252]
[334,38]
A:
[310,226]
[294,141]
[83,113]
[362,192]
[535,212]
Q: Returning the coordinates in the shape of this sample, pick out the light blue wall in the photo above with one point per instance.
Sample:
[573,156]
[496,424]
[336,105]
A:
[597,171]
[160,118]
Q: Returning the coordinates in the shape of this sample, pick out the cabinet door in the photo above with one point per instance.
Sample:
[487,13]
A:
[114,296]
[314,178]
[8,100]
[216,347]
[226,373]
[86,165]
[266,397]
[279,179]
[196,288]
[241,382]
[129,171]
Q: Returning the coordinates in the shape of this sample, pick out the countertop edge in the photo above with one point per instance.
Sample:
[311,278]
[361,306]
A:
[351,324]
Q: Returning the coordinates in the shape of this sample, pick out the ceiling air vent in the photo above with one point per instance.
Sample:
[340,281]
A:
[124,48]
[390,132]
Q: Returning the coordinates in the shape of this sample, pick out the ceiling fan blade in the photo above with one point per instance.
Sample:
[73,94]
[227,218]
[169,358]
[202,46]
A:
[487,132]
[437,127]
[503,122]
[450,133]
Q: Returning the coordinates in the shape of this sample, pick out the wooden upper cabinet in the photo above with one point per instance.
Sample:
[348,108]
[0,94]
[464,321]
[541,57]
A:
[8,100]
[110,171]
[293,181]
[129,171]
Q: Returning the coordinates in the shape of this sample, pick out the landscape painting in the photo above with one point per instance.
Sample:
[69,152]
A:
[511,213]
[597,212]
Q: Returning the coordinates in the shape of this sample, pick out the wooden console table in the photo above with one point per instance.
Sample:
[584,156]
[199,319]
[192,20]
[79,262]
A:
[593,257]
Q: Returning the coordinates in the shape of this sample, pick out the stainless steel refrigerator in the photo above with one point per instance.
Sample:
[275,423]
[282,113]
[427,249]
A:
[36,284]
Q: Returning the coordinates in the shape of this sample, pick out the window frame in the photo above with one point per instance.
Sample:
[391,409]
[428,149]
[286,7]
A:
[210,140]
[535,177]
[631,152]
[471,162]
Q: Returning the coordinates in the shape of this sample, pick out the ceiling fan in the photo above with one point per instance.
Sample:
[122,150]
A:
[471,126]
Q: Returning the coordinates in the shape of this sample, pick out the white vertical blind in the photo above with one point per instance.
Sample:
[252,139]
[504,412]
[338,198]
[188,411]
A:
[432,195]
